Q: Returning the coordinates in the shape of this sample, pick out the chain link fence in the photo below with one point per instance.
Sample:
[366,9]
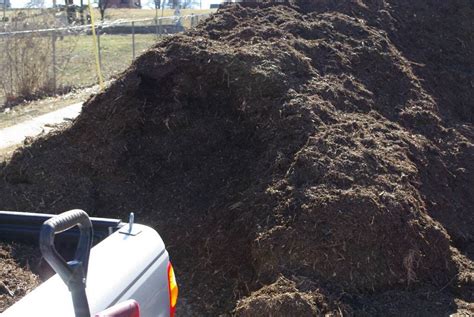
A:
[37,61]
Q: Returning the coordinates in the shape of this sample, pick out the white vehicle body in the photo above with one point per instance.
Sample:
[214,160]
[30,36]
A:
[121,267]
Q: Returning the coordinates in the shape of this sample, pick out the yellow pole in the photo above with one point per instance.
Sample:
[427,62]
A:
[96,48]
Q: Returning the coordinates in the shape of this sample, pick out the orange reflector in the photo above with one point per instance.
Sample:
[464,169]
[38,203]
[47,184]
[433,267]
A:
[173,289]
[128,308]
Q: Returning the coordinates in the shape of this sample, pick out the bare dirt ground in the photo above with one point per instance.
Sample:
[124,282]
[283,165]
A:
[28,111]
[16,134]
[300,160]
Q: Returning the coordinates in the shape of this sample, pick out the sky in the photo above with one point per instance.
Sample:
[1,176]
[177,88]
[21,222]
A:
[48,3]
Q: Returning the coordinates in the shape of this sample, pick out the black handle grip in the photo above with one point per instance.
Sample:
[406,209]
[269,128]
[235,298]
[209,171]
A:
[74,272]
[69,219]
[60,223]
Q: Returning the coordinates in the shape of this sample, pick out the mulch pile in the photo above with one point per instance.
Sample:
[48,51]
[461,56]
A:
[17,263]
[297,159]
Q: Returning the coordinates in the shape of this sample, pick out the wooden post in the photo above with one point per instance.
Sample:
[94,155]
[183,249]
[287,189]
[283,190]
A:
[98,47]
[53,44]
[133,39]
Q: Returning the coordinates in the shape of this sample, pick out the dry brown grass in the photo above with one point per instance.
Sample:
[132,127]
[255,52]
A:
[27,60]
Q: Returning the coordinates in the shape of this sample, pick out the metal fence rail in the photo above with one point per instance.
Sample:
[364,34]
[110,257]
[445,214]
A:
[185,20]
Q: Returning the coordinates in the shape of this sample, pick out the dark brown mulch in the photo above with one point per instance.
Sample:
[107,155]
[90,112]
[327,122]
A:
[16,272]
[314,158]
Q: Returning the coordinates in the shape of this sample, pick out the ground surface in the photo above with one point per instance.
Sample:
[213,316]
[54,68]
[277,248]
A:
[30,110]
[304,160]
[40,125]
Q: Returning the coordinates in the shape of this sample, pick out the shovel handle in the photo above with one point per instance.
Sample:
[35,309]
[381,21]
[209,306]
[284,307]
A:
[58,224]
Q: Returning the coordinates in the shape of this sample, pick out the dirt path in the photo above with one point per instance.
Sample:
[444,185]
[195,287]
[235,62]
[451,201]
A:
[14,135]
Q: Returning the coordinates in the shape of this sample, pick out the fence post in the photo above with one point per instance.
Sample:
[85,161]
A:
[4,12]
[133,39]
[12,87]
[161,26]
[8,64]
[53,44]
[98,47]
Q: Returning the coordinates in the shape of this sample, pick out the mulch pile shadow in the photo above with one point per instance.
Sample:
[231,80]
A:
[297,159]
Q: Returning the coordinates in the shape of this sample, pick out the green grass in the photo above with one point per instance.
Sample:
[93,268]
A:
[75,57]
[76,53]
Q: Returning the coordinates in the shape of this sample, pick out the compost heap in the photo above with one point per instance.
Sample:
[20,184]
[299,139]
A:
[297,160]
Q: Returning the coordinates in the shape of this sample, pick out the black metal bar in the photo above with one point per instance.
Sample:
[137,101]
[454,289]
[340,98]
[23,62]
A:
[25,227]
[80,302]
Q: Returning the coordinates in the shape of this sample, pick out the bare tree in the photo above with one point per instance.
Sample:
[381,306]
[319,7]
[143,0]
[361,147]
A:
[184,4]
[103,4]
[26,60]
[188,4]
[173,3]
[35,4]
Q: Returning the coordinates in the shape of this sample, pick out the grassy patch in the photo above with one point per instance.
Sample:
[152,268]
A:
[76,61]
[116,56]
